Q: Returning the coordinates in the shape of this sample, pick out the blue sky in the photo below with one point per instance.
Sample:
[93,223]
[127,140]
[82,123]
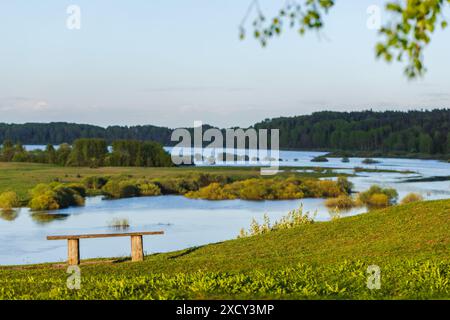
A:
[172,62]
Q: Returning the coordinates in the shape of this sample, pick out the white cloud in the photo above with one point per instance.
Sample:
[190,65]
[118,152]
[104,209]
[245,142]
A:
[23,104]
[40,105]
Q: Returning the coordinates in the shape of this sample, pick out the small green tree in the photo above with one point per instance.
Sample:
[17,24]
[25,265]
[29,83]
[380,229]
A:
[88,152]
[62,154]
[51,154]
[345,185]
[425,143]
[9,200]
[7,151]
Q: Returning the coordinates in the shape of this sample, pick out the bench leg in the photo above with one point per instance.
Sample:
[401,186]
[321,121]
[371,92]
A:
[73,246]
[137,251]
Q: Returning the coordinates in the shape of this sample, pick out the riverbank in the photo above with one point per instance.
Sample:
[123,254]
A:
[410,244]
[381,154]
[22,177]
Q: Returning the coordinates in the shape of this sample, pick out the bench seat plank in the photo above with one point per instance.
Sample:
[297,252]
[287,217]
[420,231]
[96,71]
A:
[104,235]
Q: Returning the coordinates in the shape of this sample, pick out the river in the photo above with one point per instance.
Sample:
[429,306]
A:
[189,222]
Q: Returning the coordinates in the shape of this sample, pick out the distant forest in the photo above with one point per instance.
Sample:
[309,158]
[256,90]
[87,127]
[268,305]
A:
[424,132]
[412,132]
[62,132]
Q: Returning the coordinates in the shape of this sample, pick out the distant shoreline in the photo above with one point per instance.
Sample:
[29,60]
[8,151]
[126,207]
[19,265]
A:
[347,153]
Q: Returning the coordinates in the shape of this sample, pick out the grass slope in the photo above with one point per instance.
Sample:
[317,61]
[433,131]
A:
[410,243]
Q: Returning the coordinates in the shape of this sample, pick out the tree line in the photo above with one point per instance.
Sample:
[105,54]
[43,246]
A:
[91,152]
[412,132]
[61,132]
[424,132]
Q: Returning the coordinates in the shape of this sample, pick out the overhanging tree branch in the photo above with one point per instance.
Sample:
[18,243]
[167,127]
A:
[404,37]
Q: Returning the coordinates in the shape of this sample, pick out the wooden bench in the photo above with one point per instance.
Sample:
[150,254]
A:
[73,243]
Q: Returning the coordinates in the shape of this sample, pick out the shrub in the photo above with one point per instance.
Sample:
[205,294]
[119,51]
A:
[345,185]
[95,182]
[120,189]
[44,201]
[367,197]
[412,197]
[252,189]
[172,185]
[345,160]
[78,187]
[148,189]
[290,190]
[67,196]
[293,219]
[39,189]
[319,159]
[321,189]
[378,200]
[192,182]
[212,192]
[56,196]
[343,202]
[370,161]
[269,189]
[9,200]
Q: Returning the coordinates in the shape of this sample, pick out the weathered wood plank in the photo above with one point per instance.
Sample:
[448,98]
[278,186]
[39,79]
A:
[73,252]
[105,235]
[137,250]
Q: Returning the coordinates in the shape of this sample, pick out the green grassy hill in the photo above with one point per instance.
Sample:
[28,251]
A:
[410,244]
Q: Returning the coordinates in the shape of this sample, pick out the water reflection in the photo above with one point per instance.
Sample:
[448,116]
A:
[43,218]
[9,215]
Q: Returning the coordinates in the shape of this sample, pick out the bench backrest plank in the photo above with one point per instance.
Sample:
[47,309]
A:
[104,235]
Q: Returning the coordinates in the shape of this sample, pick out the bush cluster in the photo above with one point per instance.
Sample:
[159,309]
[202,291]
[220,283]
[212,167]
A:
[190,182]
[117,188]
[412,197]
[319,159]
[269,189]
[9,200]
[378,197]
[123,187]
[343,202]
[370,161]
[56,196]
[95,182]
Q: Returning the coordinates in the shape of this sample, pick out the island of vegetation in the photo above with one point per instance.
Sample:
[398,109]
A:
[60,195]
